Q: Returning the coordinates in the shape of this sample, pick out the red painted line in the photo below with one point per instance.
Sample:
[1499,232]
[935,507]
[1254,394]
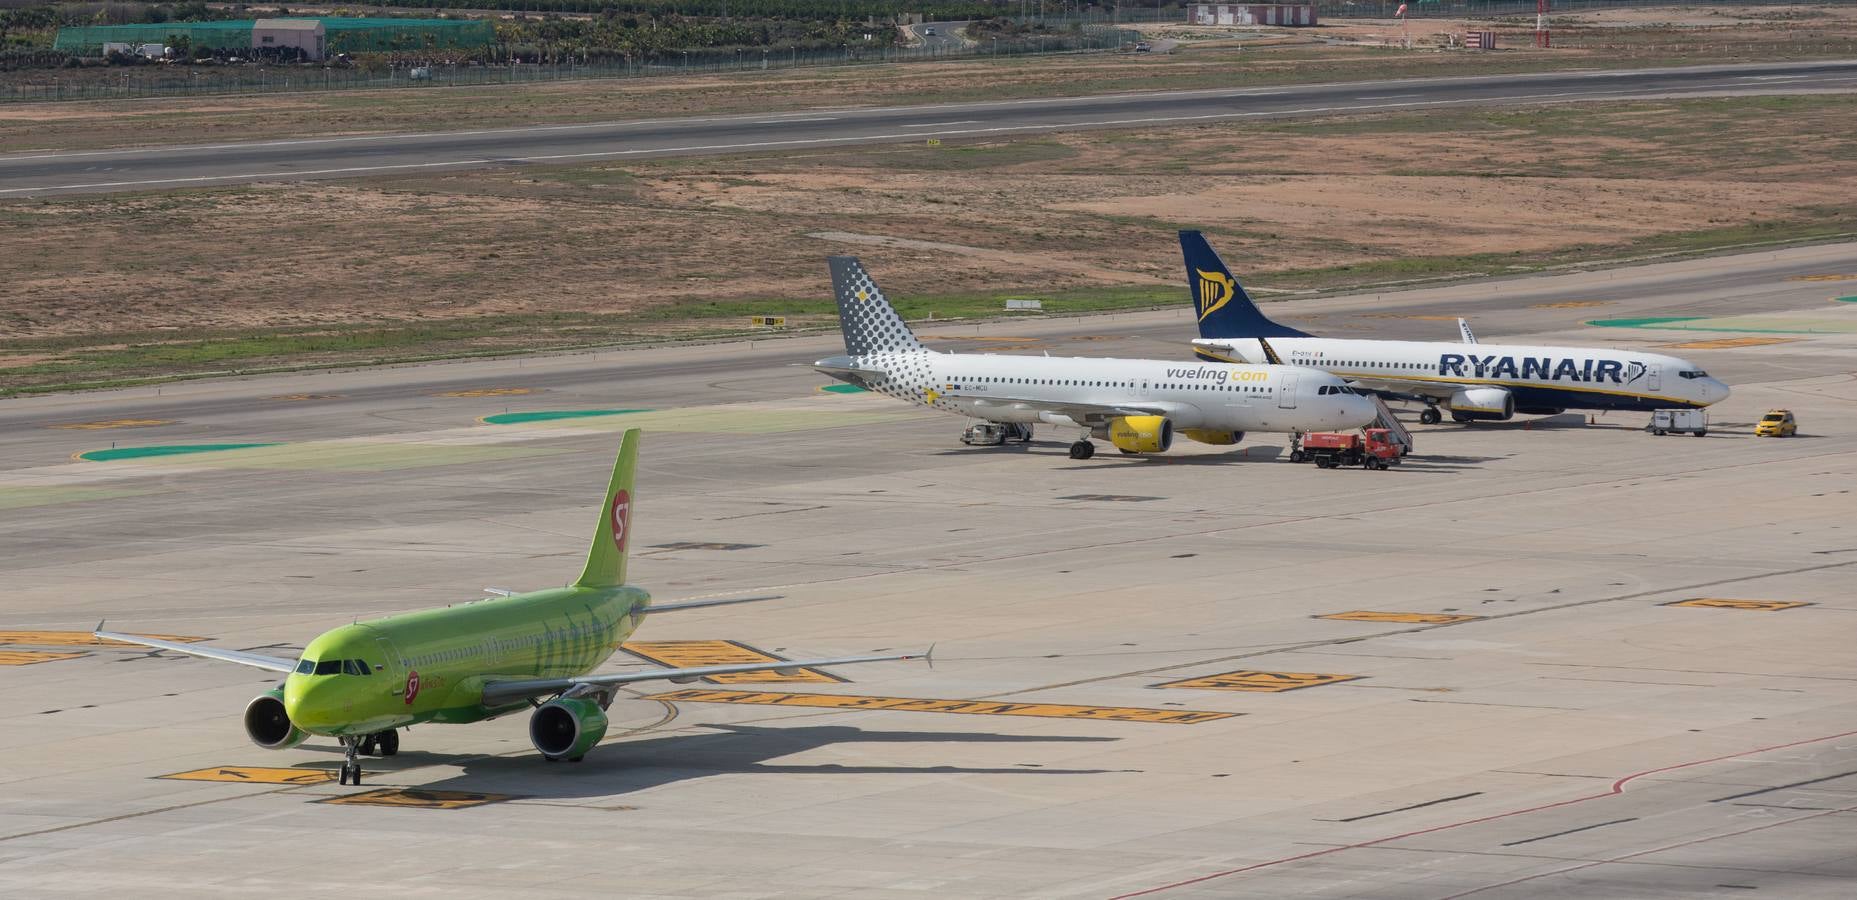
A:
[1692,841]
[1618,787]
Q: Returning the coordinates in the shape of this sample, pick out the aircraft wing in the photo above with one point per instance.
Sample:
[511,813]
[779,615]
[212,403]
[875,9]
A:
[255,660]
[497,693]
[1081,413]
[1407,390]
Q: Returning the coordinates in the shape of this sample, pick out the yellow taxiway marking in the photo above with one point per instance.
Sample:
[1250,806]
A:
[968,707]
[418,799]
[28,657]
[1260,682]
[81,639]
[487,392]
[1721,603]
[1363,615]
[1830,277]
[1572,304]
[293,398]
[1405,316]
[682,654]
[1730,343]
[112,423]
[255,775]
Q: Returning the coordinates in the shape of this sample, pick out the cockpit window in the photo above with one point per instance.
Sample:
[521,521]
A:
[354,667]
[329,667]
[306,666]
[1693,374]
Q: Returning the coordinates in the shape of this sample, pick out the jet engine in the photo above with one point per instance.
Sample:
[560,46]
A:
[1141,434]
[1219,438]
[1486,403]
[268,724]
[567,728]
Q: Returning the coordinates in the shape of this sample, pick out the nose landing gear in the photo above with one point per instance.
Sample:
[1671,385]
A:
[351,766]
[380,743]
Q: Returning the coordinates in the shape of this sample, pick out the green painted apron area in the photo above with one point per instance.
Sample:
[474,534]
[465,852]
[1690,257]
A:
[116,453]
[843,389]
[1752,324]
[346,456]
[1851,299]
[549,415]
[737,420]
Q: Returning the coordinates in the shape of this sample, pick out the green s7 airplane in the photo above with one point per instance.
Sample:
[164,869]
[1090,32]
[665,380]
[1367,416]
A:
[476,661]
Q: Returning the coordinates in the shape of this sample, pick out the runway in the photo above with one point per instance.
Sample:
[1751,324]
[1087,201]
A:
[60,172]
[1207,674]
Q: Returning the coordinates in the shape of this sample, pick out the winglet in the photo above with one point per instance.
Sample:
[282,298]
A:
[99,629]
[606,558]
[929,657]
[1270,356]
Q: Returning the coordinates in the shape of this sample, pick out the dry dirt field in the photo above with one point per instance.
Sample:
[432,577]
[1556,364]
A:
[97,287]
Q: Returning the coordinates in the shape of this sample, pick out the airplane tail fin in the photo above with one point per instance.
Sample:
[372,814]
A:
[870,323]
[606,559]
[1225,310]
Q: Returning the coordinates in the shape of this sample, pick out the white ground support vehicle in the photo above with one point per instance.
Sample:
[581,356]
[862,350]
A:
[1665,421]
[993,434]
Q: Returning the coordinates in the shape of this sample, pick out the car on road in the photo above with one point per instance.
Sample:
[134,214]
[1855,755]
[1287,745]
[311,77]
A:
[1777,423]
[928,31]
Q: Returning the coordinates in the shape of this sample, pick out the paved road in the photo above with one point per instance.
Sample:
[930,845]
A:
[39,174]
[946,36]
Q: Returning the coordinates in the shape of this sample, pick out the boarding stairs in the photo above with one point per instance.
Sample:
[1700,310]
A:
[1396,432]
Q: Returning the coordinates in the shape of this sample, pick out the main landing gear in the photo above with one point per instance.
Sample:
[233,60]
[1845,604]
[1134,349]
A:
[380,743]
[1083,449]
[1430,416]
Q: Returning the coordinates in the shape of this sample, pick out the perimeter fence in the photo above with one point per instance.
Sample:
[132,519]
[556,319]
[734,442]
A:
[136,82]
[1379,9]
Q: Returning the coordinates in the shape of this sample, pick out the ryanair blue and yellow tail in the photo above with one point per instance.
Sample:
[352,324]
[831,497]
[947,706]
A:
[1225,310]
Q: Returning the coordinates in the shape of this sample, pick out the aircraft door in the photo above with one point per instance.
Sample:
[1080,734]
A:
[390,666]
[1286,392]
[1654,377]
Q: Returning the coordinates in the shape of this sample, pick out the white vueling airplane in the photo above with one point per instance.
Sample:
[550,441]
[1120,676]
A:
[1135,404]
[1472,380]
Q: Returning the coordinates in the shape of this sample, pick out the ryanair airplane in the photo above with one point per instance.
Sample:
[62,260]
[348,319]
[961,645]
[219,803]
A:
[1473,381]
[1137,405]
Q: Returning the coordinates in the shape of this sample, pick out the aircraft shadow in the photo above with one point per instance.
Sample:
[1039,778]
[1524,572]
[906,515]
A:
[1107,455]
[622,767]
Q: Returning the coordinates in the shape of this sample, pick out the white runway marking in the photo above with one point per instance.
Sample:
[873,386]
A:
[941,124]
